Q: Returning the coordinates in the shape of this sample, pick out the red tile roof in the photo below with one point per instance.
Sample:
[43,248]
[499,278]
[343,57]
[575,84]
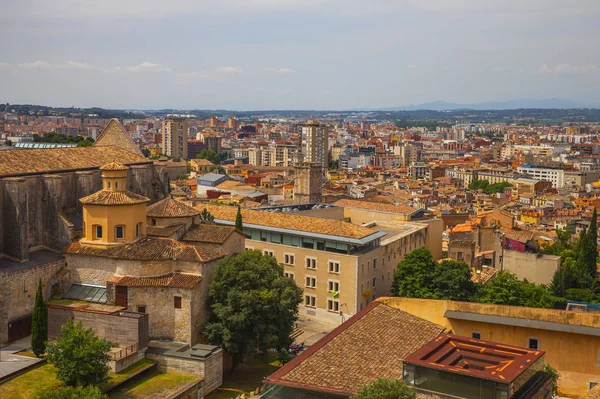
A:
[171,280]
[169,208]
[370,345]
[475,357]
[108,197]
[210,233]
[115,135]
[376,206]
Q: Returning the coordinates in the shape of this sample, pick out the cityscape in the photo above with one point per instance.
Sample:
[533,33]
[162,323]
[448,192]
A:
[300,215]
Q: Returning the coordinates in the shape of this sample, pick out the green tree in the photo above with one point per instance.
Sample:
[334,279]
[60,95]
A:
[210,155]
[206,216]
[254,306]
[507,289]
[87,392]
[39,323]
[419,276]
[238,220]
[79,356]
[554,375]
[587,255]
[385,389]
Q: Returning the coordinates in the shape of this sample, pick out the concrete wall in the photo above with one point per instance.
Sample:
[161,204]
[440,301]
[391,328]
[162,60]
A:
[575,356]
[530,266]
[18,288]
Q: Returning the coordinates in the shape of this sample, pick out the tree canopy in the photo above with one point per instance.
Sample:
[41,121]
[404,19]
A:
[238,220]
[507,289]
[419,276]
[63,139]
[79,356]
[39,323]
[206,216]
[210,155]
[385,389]
[254,306]
[488,188]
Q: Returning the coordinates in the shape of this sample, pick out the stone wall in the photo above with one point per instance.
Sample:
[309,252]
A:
[535,268]
[31,206]
[18,288]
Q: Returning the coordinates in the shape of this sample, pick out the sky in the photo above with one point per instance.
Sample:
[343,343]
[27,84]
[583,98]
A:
[296,54]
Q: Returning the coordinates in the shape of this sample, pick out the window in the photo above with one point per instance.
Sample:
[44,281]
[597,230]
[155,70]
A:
[311,282]
[289,259]
[268,252]
[98,231]
[153,222]
[108,184]
[311,263]
[334,267]
[289,275]
[533,343]
[374,282]
[119,232]
[116,185]
[177,302]
[138,229]
[333,305]
[333,286]
[460,256]
[141,309]
[310,301]
[476,335]
[374,263]
[593,384]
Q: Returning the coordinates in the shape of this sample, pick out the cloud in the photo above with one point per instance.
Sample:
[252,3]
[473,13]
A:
[281,71]
[211,74]
[147,67]
[77,65]
[37,65]
[566,69]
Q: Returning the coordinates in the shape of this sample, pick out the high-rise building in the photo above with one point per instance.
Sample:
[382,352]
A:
[314,143]
[214,121]
[213,143]
[308,183]
[174,137]
[232,123]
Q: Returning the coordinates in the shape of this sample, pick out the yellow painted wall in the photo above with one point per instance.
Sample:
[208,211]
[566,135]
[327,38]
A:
[575,356]
[109,217]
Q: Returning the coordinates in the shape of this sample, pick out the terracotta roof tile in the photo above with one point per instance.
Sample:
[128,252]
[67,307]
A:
[376,206]
[115,135]
[210,233]
[202,162]
[108,197]
[593,393]
[150,248]
[290,222]
[53,160]
[169,208]
[163,231]
[114,166]
[171,280]
[368,346]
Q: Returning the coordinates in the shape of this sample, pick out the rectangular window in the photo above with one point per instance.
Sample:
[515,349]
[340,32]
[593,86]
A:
[374,263]
[334,267]
[119,232]
[98,231]
[533,343]
[289,275]
[141,309]
[333,286]
[177,302]
[374,282]
[311,282]
[311,263]
[268,252]
[310,301]
[476,335]
[289,259]
[137,230]
[333,305]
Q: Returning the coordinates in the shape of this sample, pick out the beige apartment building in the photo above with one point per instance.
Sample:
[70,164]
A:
[314,143]
[174,137]
[341,266]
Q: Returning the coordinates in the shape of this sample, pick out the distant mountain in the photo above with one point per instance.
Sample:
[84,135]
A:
[551,103]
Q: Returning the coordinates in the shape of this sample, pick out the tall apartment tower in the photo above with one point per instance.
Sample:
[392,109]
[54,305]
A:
[308,183]
[174,137]
[314,143]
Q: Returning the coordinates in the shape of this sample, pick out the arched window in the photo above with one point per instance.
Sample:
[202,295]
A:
[119,232]
[97,231]
[108,185]
[116,185]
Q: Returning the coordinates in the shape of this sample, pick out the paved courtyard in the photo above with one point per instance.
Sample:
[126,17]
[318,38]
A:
[10,362]
[313,330]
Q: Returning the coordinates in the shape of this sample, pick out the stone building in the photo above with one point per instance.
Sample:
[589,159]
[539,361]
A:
[308,183]
[40,213]
[145,268]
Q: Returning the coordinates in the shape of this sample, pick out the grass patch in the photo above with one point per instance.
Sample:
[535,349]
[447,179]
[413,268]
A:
[246,378]
[149,383]
[66,302]
[31,384]
[29,354]
[115,379]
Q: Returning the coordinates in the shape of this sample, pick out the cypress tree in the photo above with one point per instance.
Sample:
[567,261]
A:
[592,254]
[238,220]
[39,324]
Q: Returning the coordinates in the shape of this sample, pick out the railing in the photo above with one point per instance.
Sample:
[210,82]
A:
[124,352]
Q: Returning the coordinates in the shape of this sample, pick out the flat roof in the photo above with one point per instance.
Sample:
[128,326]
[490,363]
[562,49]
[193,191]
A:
[474,357]
[35,259]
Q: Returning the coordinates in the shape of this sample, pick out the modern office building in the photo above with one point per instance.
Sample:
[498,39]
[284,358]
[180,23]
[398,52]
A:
[175,137]
[553,174]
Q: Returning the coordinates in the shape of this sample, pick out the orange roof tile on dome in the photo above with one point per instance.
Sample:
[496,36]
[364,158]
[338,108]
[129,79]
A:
[107,197]
[114,166]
